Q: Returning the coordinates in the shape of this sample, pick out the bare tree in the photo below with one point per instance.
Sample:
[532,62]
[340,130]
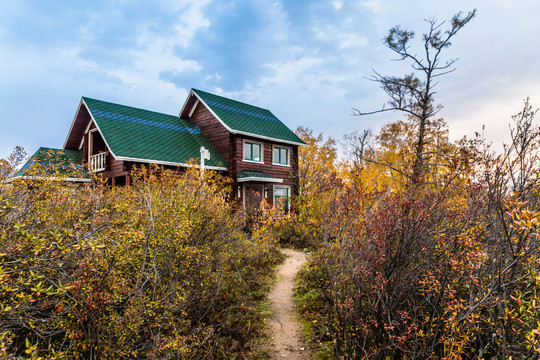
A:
[413,93]
[356,145]
[10,164]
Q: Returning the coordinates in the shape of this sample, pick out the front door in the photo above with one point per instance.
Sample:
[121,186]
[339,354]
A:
[254,195]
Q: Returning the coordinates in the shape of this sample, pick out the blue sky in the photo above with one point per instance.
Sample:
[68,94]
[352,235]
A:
[306,61]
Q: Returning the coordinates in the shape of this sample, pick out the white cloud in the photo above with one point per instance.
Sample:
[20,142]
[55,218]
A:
[337,4]
[157,53]
[190,22]
[301,92]
[179,5]
[284,72]
[375,6]
[278,24]
[307,69]
[59,71]
[215,76]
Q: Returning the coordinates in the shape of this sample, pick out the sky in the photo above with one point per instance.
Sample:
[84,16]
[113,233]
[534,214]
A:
[306,61]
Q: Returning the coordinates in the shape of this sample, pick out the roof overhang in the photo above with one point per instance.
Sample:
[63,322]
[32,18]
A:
[268,138]
[259,179]
[49,178]
[169,163]
[77,119]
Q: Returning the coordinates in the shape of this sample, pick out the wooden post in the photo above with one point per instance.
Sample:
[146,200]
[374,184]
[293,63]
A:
[128,180]
[202,161]
[113,181]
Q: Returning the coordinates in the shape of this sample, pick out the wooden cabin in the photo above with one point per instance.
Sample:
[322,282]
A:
[245,142]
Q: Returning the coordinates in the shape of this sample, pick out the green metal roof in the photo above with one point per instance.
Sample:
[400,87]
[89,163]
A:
[146,135]
[54,162]
[256,176]
[241,117]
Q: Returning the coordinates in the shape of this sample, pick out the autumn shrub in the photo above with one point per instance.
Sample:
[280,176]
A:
[298,231]
[444,270]
[421,278]
[159,269]
[317,174]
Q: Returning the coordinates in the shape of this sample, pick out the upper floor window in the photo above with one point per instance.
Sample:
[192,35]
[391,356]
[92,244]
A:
[281,156]
[252,151]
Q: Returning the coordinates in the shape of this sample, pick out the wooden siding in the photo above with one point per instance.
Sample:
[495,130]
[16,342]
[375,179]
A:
[77,131]
[218,135]
[283,172]
[231,147]
[114,168]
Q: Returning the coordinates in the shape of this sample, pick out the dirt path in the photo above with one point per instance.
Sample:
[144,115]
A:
[284,325]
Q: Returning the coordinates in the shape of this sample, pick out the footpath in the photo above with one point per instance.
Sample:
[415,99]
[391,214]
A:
[286,330]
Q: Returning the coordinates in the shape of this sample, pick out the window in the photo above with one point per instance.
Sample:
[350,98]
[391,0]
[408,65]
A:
[281,198]
[252,151]
[281,156]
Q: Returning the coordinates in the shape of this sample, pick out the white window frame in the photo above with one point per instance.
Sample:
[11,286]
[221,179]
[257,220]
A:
[254,143]
[288,155]
[288,195]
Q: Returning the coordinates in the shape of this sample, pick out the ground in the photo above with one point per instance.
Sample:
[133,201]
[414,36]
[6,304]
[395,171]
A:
[286,330]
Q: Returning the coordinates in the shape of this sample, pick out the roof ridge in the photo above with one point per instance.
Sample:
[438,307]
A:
[236,101]
[127,106]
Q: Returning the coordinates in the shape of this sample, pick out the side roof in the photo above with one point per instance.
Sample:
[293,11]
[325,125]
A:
[241,118]
[139,135]
[55,162]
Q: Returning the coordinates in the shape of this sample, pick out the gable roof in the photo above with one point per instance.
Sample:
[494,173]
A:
[57,163]
[241,118]
[146,136]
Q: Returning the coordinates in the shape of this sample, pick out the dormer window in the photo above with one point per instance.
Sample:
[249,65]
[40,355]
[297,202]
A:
[280,156]
[252,151]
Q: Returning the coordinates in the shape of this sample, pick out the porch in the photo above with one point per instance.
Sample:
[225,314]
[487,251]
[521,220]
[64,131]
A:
[257,189]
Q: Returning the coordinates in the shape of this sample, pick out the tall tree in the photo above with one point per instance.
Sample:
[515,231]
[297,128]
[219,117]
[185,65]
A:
[414,93]
[316,161]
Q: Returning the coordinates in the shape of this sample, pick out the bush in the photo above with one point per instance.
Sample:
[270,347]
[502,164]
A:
[445,269]
[160,269]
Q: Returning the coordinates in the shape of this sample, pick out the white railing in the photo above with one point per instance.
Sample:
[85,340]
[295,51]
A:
[98,162]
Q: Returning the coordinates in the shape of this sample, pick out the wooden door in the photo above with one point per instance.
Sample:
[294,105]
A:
[254,197]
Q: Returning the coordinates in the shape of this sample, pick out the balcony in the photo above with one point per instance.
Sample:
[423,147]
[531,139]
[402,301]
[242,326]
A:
[98,162]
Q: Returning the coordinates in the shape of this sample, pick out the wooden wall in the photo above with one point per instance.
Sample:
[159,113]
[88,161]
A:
[283,172]
[218,135]
[115,168]
[230,146]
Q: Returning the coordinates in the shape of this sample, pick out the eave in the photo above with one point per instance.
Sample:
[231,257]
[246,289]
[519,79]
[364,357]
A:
[259,179]
[54,178]
[168,163]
